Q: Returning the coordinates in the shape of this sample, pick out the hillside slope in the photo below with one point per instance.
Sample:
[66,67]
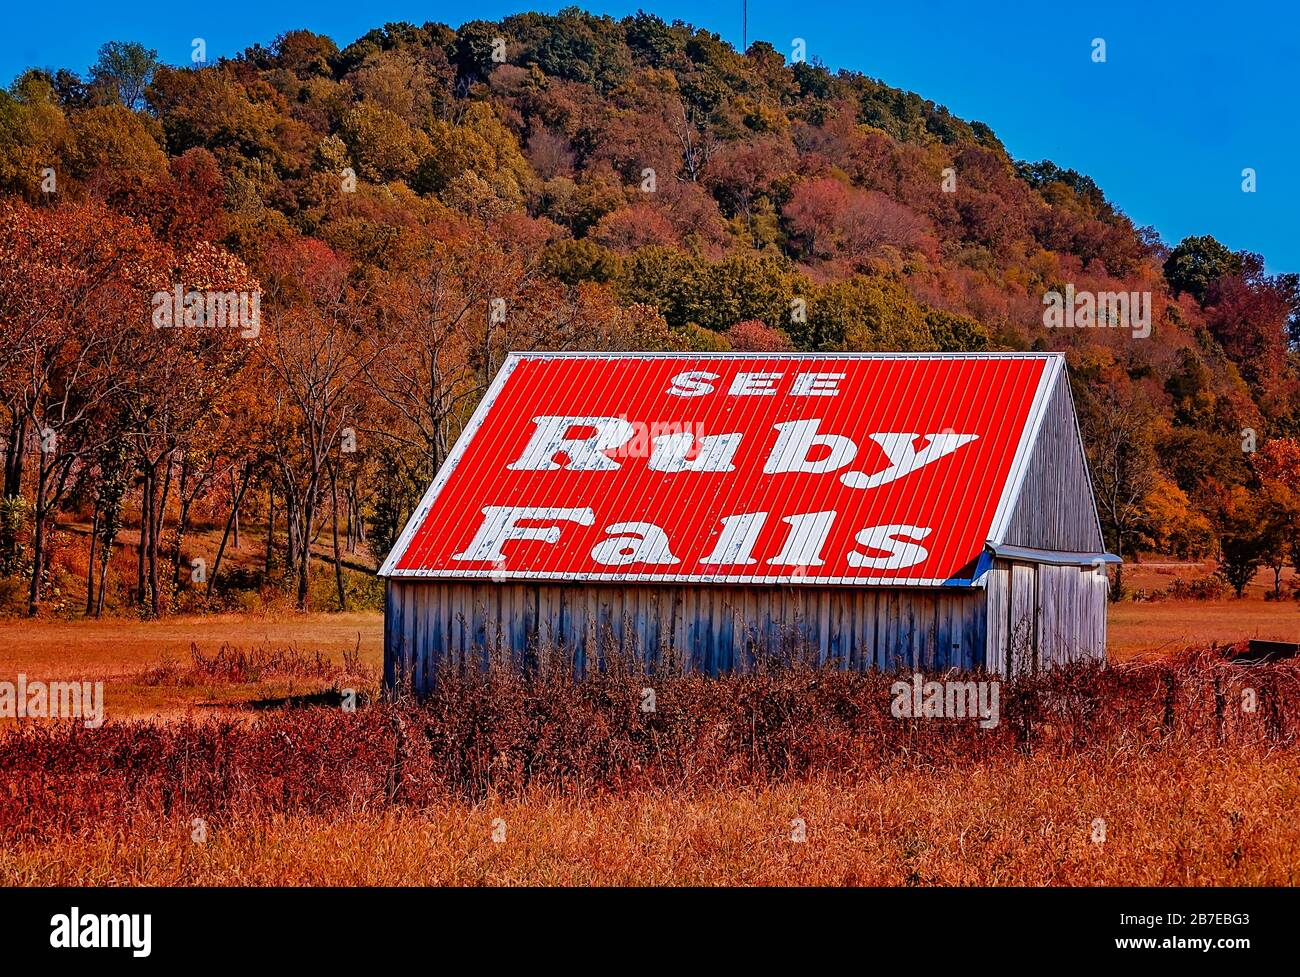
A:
[572,180]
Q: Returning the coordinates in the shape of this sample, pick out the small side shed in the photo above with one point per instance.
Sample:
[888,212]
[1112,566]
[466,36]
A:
[892,511]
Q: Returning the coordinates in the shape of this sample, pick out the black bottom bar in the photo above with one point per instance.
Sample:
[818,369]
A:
[923,927]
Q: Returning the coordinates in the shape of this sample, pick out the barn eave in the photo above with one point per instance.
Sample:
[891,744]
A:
[1030,554]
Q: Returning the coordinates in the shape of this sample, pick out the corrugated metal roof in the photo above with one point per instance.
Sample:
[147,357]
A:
[874,468]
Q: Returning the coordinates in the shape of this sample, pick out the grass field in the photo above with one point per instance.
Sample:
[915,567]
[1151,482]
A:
[119,651]
[1154,628]
[124,653]
[1191,818]
[1179,806]
[1164,626]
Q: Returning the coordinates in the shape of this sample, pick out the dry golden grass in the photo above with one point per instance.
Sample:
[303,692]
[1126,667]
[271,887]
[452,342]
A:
[117,646]
[1175,817]
[1176,811]
[1154,628]
[1161,627]
[582,788]
[118,651]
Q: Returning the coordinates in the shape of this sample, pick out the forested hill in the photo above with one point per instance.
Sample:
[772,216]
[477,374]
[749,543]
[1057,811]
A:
[576,181]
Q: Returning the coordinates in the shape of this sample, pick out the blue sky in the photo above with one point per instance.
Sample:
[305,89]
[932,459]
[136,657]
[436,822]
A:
[1191,93]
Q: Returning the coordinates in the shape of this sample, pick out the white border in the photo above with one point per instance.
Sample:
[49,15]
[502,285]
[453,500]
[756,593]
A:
[1019,465]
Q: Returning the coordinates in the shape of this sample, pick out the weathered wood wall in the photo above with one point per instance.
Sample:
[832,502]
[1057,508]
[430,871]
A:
[1041,615]
[708,628]
[1055,509]
[1029,616]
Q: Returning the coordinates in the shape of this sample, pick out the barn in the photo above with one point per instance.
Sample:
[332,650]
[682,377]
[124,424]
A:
[899,511]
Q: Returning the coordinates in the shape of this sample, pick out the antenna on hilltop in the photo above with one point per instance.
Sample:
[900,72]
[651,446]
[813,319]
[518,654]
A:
[744,26]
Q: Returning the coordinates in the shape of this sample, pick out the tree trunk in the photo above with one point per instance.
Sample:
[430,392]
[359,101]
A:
[145,523]
[157,507]
[90,561]
[338,563]
[304,550]
[349,535]
[150,565]
[105,553]
[236,505]
[291,533]
[180,522]
[231,520]
[270,529]
[38,540]
[15,451]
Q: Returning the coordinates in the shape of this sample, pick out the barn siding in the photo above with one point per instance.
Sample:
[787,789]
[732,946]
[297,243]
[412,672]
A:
[1041,615]
[997,586]
[709,629]
[1055,509]
[1028,616]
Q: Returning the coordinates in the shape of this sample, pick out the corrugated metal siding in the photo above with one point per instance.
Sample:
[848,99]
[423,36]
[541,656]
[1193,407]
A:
[704,628]
[956,496]
[1055,509]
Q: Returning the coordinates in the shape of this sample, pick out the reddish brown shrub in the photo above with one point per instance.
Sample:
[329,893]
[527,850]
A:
[502,733]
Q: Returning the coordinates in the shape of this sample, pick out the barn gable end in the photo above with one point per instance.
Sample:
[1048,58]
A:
[1046,588]
[1055,508]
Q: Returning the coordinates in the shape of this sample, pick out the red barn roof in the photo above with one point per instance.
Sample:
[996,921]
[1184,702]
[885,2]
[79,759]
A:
[879,468]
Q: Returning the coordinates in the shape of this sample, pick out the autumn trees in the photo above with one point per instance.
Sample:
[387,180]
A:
[413,205]
[100,403]
[70,287]
[333,408]
[93,390]
[1277,527]
[179,415]
[125,68]
[310,365]
[1197,263]
[836,220]
[1117,429]
[1163,487]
